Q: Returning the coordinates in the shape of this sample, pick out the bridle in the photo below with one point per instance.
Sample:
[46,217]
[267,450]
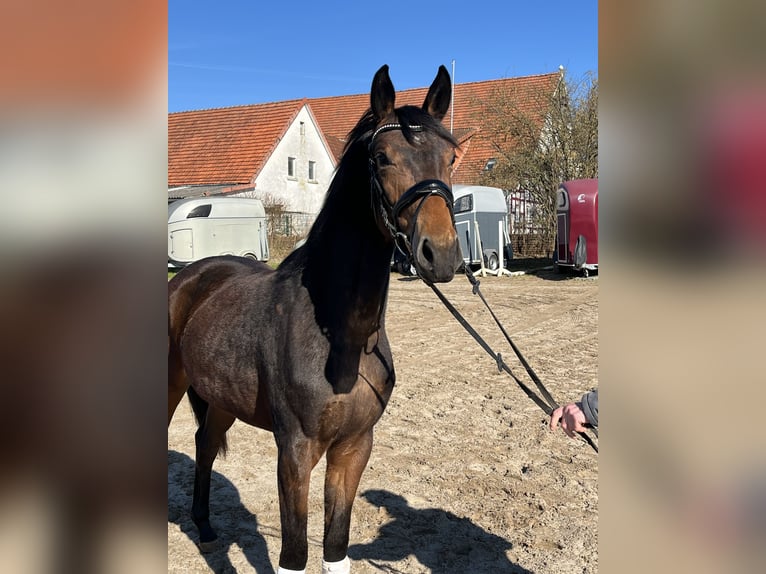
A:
[389,212]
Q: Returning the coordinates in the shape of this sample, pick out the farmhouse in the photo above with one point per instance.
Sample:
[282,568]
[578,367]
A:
[274,152]
[285,152]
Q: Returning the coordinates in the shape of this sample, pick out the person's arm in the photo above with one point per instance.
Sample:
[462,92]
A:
[590,407]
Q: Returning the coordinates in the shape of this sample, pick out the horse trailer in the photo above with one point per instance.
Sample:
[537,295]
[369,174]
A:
[486,207]
[206,226]
[577,226]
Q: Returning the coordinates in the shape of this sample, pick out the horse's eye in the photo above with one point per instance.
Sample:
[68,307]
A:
[382,159]
[452,161]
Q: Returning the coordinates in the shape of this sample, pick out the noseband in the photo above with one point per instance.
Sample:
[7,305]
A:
[418,192]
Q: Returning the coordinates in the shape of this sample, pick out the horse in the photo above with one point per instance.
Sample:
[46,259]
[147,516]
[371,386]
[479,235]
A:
[301,350]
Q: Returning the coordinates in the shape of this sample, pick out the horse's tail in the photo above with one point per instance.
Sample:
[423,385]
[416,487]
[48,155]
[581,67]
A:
[200,407]
[198,404]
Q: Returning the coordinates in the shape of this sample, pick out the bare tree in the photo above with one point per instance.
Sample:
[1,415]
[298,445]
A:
[281,232]
[540,138]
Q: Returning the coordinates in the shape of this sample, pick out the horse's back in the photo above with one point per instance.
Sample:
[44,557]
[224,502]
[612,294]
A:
[196,283]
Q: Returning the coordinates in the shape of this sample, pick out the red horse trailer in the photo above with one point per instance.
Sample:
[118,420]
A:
[577,225]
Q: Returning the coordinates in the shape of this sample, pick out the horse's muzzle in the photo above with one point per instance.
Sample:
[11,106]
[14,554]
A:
[436,261]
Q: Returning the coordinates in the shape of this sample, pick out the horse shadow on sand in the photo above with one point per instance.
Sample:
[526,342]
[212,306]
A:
[441,541]
[226,501]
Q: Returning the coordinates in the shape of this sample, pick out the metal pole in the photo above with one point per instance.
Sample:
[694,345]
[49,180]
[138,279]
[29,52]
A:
[452,99]
[501,270]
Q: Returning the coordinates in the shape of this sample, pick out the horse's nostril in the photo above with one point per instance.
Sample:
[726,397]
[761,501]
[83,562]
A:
[427,253]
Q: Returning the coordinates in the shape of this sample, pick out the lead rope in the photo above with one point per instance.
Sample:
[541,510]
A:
[551,404]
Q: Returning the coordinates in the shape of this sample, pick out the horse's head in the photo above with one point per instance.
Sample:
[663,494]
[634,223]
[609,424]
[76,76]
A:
[411,157]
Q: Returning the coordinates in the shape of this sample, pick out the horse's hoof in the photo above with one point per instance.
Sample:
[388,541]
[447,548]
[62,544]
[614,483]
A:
[209,545]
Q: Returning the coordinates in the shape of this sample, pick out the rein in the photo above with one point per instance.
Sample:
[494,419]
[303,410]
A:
[546,402]
[420,191]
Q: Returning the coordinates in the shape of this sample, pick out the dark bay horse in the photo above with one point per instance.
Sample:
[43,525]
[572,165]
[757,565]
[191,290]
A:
[302,351]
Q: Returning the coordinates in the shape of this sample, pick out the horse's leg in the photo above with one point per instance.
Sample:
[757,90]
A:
[346,461]
[297,457]
[210,438]
[177,380]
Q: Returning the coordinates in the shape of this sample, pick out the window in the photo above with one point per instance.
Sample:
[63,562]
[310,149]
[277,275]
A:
[291,167]
[200,211]
[463,204]
[312,171]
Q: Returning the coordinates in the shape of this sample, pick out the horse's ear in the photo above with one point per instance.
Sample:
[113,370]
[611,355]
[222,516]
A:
[382,94]
[439,94]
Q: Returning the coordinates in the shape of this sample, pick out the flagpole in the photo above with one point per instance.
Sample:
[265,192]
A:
[452,99]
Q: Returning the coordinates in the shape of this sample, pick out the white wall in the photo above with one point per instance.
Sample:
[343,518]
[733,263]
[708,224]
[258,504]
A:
[298,193]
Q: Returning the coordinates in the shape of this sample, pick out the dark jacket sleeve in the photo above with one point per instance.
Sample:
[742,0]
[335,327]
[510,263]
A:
[590,407]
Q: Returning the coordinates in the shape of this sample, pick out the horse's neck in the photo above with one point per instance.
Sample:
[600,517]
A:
[349,262]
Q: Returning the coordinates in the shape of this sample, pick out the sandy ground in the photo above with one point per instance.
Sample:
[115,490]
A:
[464,475]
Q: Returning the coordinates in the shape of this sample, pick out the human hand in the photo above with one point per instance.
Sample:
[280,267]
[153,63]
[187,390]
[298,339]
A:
[572,419]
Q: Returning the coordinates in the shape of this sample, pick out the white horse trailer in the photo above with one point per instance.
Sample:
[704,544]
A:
[205,226]
[483,206]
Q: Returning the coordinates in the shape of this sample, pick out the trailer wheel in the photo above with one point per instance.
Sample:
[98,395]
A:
[251,256]
[492,262]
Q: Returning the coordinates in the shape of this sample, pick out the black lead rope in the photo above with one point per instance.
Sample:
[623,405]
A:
[538,383]
[547,407]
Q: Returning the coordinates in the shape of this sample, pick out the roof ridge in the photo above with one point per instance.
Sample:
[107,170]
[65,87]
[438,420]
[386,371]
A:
[307,99]
[509,78]
[542,75]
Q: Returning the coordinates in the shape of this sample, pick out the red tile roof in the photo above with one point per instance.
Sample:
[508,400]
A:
[225,145]
[231,145]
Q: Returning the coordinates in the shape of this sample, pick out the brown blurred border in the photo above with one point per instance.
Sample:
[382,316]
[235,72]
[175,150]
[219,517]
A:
[683,470]
[83,172]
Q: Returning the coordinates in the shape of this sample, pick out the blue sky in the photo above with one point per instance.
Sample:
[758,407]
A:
[244,52]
